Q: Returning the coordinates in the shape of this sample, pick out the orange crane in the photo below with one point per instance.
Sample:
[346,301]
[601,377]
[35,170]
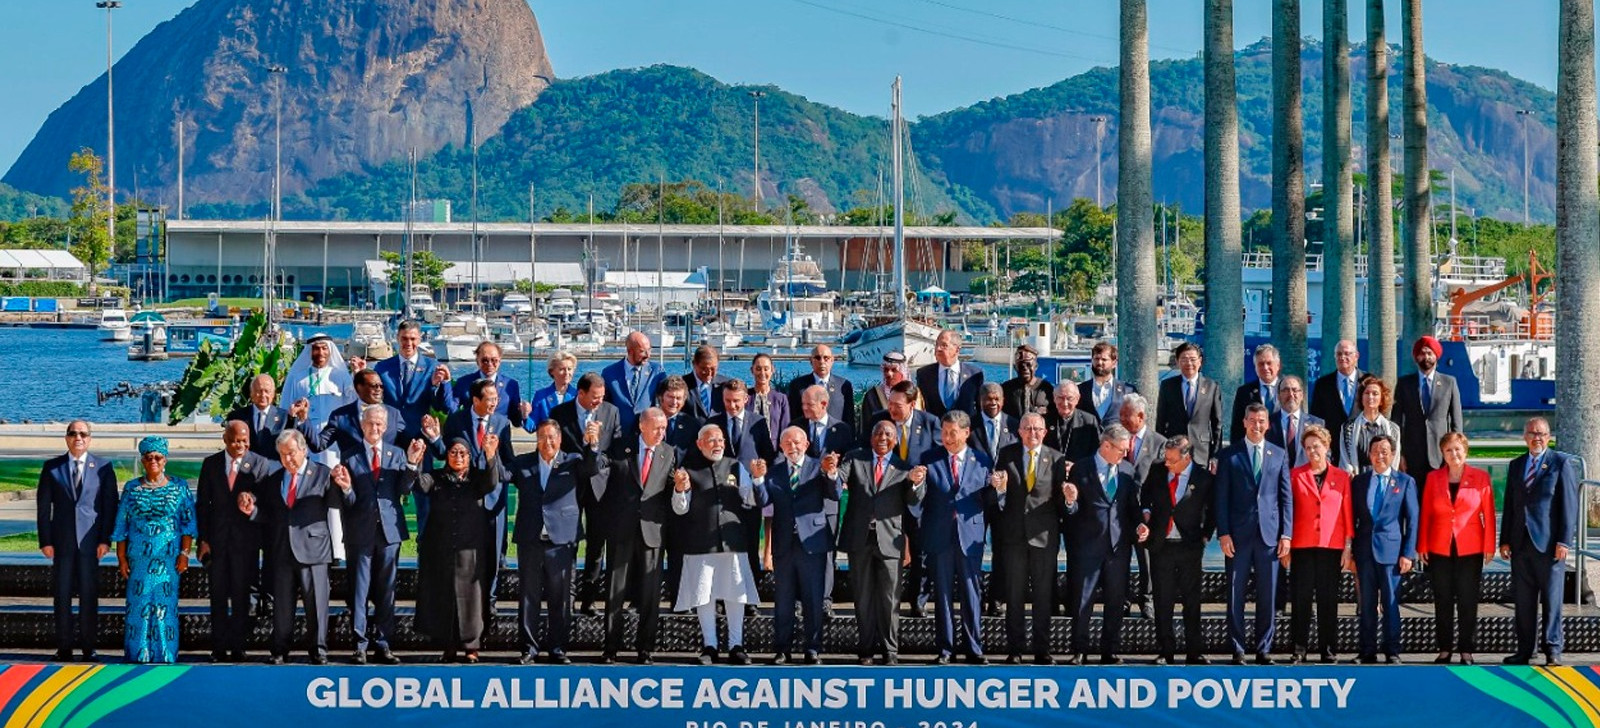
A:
[1536,274]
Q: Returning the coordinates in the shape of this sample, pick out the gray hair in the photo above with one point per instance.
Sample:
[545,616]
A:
[885,425]
[815,393]
[372,413]
[559,357]
[292,437]
[1136,402]
[1114,433]
[704,429]
[1031,416]
[1267,350]
[991,387]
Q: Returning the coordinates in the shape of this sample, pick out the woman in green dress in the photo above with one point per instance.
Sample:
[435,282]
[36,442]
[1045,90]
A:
[155,528]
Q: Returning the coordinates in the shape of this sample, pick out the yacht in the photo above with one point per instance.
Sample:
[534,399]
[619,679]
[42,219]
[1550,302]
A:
[797,295]
[113,325]
[368,340]
[720,334]
[459,337]
[515,303]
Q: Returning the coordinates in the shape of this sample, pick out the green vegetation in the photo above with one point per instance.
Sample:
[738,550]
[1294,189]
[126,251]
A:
[426,269]
[243,304]
[223,382]
[16,205]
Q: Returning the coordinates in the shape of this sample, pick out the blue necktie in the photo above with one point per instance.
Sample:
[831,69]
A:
[1533,469]
[1349,396]
[1188,397]
[1111,482]
[1427,395]
[1375,498]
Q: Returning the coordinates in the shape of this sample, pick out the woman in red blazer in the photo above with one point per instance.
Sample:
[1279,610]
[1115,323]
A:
[1322,531]
[1457,541]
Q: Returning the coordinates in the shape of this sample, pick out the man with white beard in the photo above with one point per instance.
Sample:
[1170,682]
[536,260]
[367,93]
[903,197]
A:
[712,496]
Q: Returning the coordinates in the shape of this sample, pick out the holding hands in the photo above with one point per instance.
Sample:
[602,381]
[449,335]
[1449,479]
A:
[300,409]
[758,469]
[1069,492]
[430,427]
[341,477]
[591,433]
[247,503]
[997,480]
[680,481]
[491,446]
[830,464]
[415,451]
[918,474]
[441,374]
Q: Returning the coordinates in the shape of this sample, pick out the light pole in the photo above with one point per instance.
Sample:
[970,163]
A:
[1099,163]
[1527,169]
[277,72]
[111,158]
[756,180]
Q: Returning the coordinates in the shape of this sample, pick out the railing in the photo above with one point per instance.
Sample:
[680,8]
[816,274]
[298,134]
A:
[1580,549]
[1461,267]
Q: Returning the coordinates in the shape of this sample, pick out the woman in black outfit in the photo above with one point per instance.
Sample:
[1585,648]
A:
[453,556]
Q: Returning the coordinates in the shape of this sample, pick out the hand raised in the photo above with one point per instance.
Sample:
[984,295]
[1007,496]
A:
[415,451]
[680,481]
[1069,492]
[527,409]
[491,446]
[356,363]
[341,477]
[430,427]
[300,408]
[441,374]
[591,433]
[830,463]
[247,503]
[997,480]
[758,469]
[917,474]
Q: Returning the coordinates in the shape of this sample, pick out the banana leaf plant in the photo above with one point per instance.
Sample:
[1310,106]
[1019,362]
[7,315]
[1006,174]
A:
[222,379]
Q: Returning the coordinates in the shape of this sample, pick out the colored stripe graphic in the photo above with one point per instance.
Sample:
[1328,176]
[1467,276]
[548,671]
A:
[44,697]
[12,680]
[1560,696]
[76,696]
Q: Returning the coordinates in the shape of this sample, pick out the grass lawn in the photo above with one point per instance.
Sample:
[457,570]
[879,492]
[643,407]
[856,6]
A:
[231,302]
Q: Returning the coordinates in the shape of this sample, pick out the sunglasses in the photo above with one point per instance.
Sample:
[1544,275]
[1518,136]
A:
[77,433]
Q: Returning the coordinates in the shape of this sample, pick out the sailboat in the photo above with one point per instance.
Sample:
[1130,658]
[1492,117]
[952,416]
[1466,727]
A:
[894,330]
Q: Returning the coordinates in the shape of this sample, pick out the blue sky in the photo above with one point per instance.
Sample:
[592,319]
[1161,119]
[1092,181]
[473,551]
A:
[842,52]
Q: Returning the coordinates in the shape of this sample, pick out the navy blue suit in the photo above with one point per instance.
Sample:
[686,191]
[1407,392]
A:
[1256,514]
[968,381]
[694,404]
[632,400]
[803,536]
[980,437]
[841,397]
[374,518]
[263,440]
[1100,532]
[76,522]
[1540,513]
[1381,539]
[343,429]
[414,396]
[953,529]
[547,532]
[509,405]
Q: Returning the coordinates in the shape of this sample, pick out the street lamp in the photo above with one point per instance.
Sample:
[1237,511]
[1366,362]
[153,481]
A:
[1099,171]
[277,72]
[756,180]
[111,159]
[1527,169]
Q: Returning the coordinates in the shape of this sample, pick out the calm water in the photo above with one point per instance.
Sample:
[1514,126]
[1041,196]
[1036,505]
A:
[57,371]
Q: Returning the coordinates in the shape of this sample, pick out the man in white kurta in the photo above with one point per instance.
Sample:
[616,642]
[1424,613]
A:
[711,498]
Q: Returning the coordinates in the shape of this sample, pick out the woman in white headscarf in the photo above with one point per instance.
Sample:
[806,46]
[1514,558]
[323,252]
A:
[319,376]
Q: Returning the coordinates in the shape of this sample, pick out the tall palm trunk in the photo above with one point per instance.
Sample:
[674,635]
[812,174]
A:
[1288,190]
[1418,303]
[1338,229]
[1136,238]
[1577,238]
[1224,275]
[1381,333]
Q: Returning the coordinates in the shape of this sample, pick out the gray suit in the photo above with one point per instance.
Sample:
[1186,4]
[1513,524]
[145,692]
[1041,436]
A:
[874,537]
[1420,429]
[300,548]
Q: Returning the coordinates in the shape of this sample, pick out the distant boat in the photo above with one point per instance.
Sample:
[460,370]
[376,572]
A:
[459,337]
[113,325]
[368,340]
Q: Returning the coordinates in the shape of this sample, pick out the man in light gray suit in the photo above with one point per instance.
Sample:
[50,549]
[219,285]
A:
[1427,405]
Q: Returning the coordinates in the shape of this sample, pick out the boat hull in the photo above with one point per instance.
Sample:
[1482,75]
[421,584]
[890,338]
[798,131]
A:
[912,338]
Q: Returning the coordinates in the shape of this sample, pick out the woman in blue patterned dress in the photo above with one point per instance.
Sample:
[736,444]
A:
[155,528]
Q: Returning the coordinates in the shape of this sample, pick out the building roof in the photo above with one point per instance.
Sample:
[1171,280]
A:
[39,259]
[804,232]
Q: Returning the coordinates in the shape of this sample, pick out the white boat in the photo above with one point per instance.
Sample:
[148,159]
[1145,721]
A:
[797,294]
[113,325]
[149,336]
[515,303]
[368,340]
[459,337]
[721,335]
[660,336]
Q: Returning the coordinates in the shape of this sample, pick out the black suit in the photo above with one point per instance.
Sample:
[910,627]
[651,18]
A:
[298,542]
[1076,436]
[1248,394]
[841,398]
[566,414]
[635,512]
[1541,513]
[874,537]
[546,535]
[234,543]
[981,435]
[694,405]
[1026,529]
[263,440]
[1113,403]
[1179,533]
[1100,537]
[1203,426]
[76,520]
[344,430]
[1021,397]
[839,436]
[969,381]
[1328,403]
[1421,428]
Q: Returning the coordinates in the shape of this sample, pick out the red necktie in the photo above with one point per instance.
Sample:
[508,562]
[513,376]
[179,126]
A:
[482,430]
[1173,486]
[376,462]
[877,473]
[644,471]
[294,479]
[955,474]
[233,470]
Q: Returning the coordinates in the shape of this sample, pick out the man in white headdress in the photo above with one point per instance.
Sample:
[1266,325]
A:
[320,378]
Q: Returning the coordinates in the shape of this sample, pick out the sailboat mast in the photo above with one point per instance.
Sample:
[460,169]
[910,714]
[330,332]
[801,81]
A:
[899,199]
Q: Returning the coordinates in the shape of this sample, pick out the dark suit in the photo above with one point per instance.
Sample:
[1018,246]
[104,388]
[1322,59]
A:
[1421,428]
[1203,426]
[567,415]
[1026,527]
[1151,451]
[635,512]
[1256,513]
[953,531]
[509,404]
[752,441]
[343,430]
[969,380]
[775,410]
[1112,403]
[1277,435]
[1382,537]
[841,397]
[802,542]
[1100,535]
[415,395]
[874,537]
[460,425]
[838,436]
[76,519]
[1021,397]
[982,435]
[1076,436]
[234,541]
[263,440]
[546,535]
[874,403]
[632,399]
[695,404]
[683,430]
[1540,513]
[298,541]
[374,519]
[921,435]
[1248,394]
[1179,532]
[1330,404]
[919,438]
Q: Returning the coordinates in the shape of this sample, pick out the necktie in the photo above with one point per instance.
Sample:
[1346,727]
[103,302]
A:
[955,473]
[261,420]
[1269,397]
[877,473]
[816,436]
[794,477]
[1427,394]
[1133,454]
[1033,462]
[994,437]
[905,442]
[950,389]
[1173,488]
[1111,482]
[1289,441]
[1102,400]
[377,463]
[1533,468]
[633,387]
[733,434]
[1376,501]
[77,479]
[583,422]
[644,470]
[705,397]
[1349,395]
[483,429]
[294,486]
[406,369]
[1188,397]
[1255,461]
[233,471]
[316,383]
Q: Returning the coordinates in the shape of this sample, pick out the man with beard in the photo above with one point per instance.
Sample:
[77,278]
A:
[876,400]
[1427,406]
[712,496]
[1101,395]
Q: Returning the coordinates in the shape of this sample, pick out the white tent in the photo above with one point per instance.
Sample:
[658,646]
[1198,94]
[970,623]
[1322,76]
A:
[52,264]
[648,287]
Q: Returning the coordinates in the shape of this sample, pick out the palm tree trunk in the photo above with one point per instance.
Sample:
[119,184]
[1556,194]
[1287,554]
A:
[1577,237]
[1381,333]
[1288,190]
[1338,230]
[1418,304]
[1137,337]
[1224,276]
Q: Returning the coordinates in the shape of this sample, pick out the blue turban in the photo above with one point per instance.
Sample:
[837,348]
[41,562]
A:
[153,444]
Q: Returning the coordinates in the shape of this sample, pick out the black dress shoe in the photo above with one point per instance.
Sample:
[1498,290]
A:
[218,656]
[977,659]
[1014,659]
[1263,658]
[812,658]
[91,656]
[1109,659]
[1197,660]
[1163,660]
[386,657]
[1298,657]
[1442,659]
[236,656]
[608,658]
[782,658]
[1329,658]
[1392,659]
[62,656]
[560,658]
[527,658]
[319,659]
[359,657]
[1466,659]
[1238,658]
[891,659]
[827,612]
[647,658]
[750,610]
[1516,660]
[865,661]
[1044,658]
[1367,659]
[737,656]
[916,613]
[941,660]
[708,656]
[275,659]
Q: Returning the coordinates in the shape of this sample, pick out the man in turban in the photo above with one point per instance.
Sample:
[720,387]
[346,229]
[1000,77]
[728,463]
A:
[1427,405]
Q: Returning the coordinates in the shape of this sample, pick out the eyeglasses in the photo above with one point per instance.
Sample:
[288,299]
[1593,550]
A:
[77,433]
[1538,434]
[819,357]
[153,456]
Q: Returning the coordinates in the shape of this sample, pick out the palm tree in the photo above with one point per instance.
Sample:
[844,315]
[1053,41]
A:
[1417,232]
[1381,359]
[1577,234]
[1224,282]
[1288,190]
[1136,235]
[1338,251]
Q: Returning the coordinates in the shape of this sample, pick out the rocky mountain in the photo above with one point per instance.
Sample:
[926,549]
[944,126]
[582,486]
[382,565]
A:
[365,81]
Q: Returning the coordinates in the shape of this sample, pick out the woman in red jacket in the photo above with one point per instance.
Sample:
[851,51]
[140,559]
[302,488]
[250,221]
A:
[1322,532]
[1457,541]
